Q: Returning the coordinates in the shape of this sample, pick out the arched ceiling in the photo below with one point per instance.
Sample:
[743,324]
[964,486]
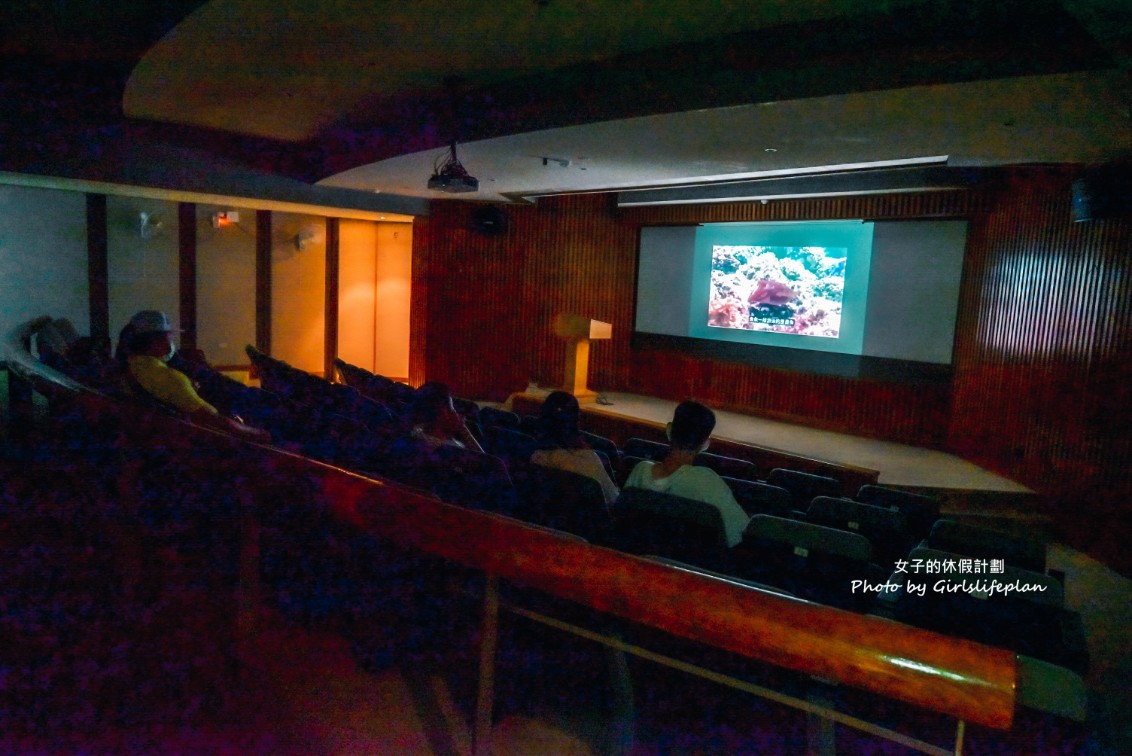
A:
[614,94]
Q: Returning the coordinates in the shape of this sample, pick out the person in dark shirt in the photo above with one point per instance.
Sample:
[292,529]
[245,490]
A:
[437,423]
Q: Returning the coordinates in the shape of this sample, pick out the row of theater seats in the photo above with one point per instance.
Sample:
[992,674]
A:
[804,536]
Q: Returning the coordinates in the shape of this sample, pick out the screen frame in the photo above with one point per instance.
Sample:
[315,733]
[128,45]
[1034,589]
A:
[864,367]
[856,236]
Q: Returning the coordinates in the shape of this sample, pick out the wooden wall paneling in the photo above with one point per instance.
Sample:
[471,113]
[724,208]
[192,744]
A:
[1038,369]
[330,340]
[541,294]
[555,258]
[473,306]
[187,272]
[419,298]
[98,266]
[263,280]
[596,265]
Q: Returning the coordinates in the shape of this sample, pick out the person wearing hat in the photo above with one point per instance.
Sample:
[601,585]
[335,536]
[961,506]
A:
[146,346]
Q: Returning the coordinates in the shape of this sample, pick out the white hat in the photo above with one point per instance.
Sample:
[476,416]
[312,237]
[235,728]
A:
[150,321]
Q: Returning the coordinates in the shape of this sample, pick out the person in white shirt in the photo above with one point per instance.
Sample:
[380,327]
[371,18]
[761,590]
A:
[566,448]
[691,426]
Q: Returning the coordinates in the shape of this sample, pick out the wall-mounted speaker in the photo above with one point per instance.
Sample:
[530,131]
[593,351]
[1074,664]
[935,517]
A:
[1102,192]
[489,220]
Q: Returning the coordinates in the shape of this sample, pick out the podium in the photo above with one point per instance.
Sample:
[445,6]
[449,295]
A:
[578,332]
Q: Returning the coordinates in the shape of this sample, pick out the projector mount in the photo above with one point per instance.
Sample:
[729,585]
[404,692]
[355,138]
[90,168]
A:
[450,176]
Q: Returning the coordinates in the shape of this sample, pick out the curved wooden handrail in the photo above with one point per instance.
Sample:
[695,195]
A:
[949,675]
[960,678]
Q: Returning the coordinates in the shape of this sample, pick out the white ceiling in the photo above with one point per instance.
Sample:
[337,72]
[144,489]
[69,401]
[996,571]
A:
[284,69]
[1068,118]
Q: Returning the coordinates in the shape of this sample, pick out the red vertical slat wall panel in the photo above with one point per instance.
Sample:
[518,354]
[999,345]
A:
[1043,367]
[491,300]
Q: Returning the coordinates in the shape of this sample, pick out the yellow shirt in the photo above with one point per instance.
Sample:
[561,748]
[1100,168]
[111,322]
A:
[167,385]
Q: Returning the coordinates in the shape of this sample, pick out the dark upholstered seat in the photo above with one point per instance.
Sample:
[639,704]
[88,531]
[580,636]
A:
[657,524]
[921,511]
[810,561]
[886,530]
[804,487]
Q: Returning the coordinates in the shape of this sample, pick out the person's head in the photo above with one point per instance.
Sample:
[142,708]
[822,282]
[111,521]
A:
[149,333]
[558,420]
[433,409]
[691,426]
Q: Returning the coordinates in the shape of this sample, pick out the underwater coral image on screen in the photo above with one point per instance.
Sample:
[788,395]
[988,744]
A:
[796,290]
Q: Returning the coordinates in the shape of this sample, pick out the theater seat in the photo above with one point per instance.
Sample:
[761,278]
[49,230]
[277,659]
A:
[316,393]
[508,444]
[562,500]
[458,476]
[761,498]
[1034,623]
[804,487]
[971,540]
[645,449]
[470,411]
[604,446]
[658,524]
[1052,689]
[471,479]
[530,424]
[495,417]
[810,561]
[886,530]
[376,387]
[920,511]
[627,464]
[730,467]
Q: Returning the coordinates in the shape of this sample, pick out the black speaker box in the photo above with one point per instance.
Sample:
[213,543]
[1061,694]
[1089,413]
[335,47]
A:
[489,220]
[1102,192]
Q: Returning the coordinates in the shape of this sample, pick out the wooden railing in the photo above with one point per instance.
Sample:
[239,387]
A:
[949,675]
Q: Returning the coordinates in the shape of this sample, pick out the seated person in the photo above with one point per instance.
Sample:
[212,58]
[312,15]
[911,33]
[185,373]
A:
[564,446]
[436,421]
[54,339]
[691,425]
[83,358]
[146,349]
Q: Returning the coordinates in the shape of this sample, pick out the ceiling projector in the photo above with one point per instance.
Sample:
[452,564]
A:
[451,176]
